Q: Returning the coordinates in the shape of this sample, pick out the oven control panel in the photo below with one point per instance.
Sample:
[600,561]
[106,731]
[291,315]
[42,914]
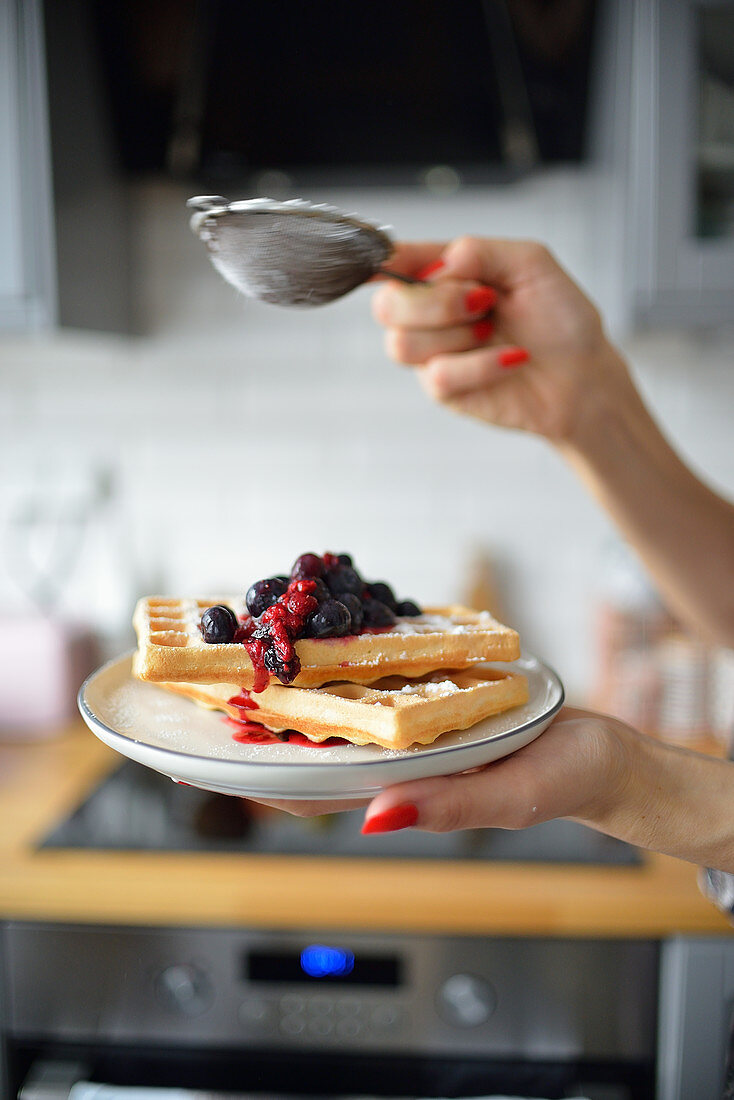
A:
[508,997]
[318,1017]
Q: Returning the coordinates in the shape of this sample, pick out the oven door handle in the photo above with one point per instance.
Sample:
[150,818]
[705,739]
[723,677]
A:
[69,1081]
[51,1080]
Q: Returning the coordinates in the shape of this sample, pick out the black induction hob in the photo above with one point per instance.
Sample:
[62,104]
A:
[138,809]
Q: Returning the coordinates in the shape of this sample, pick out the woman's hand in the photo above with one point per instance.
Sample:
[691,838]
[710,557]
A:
[572,770]
[501,332]
[591,769]
[547,367]
[585,767]
[578,768]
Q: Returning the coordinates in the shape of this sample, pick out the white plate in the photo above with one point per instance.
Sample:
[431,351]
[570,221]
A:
[174,736]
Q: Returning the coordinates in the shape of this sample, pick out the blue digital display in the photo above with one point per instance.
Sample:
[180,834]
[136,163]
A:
[320,961]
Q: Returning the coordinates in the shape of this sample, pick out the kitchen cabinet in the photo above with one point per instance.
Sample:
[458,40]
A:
[27,281]
[664,132]
[64,207]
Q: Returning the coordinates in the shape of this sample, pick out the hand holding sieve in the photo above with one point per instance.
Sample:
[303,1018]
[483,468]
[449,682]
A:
[293,253]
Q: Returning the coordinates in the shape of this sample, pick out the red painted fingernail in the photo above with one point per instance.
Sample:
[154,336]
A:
[482,330]
[512,357]
[429,269]
[480,299]
[397,817]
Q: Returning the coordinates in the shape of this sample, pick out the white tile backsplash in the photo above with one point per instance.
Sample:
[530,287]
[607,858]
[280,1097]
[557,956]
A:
[242,435]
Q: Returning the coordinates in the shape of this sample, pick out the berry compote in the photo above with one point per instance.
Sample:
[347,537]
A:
[323,597]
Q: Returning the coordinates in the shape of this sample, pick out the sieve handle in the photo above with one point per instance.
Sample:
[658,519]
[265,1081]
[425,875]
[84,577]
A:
[410,279]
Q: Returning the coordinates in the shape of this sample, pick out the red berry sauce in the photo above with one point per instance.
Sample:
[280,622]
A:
[243,703]
[253,733]
[270,641]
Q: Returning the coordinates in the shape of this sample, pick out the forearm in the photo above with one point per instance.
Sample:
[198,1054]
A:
[682,530]
[673,801]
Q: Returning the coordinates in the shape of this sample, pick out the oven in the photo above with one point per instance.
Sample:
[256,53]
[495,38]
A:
[90,1010]
[229,1011]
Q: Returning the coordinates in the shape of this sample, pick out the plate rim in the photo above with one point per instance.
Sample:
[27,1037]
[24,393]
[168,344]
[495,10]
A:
[547,716]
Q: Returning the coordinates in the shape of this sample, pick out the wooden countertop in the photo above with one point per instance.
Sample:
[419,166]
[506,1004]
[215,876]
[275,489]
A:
[41,783]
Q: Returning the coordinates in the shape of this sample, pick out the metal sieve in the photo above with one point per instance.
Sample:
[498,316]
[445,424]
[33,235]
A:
[293,253]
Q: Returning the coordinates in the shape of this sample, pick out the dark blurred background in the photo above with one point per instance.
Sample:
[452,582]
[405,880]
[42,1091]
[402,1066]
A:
[226,88]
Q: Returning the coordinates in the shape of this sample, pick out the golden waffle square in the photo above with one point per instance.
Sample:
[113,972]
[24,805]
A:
[392,712]
[171,648]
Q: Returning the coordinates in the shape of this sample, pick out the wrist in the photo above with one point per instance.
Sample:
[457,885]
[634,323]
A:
[615,797]
[631,799]
[608,403]
[666,799]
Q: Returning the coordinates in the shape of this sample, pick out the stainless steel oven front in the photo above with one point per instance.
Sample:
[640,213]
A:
[324,1012]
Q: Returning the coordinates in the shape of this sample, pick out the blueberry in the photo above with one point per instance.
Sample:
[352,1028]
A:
[344,579]
[308,565]
[353,605]
[263,594]
[330,620]
[321,592]
[345,559]
[377,613]
[408,609]
[382,592]
[218,624]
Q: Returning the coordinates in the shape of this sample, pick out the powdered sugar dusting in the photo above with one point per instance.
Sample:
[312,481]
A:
[442,624]
[444,687]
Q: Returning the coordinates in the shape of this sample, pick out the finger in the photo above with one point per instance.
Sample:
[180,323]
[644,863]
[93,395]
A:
[437,304]
[413,257]
[310,808]
[449,376]
[550,777]
[499,795]
[415,346]
[500,263]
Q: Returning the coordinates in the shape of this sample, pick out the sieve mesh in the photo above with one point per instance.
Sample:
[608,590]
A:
[294,253]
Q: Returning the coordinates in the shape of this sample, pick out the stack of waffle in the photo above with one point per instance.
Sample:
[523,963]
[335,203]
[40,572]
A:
[406,685]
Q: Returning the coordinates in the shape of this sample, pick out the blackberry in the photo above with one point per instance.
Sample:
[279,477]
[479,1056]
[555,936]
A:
[285,670]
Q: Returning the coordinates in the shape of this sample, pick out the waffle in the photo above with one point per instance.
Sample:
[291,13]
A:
[170,646]
[392,712]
